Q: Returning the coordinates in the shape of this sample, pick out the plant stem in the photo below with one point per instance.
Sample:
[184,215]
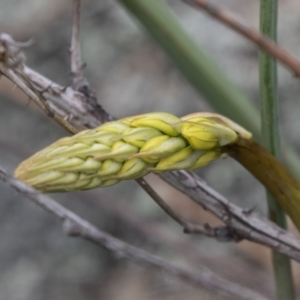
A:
[271,140]
[270,172]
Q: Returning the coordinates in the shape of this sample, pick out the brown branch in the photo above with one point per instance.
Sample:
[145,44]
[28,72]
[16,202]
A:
[75,52]
[252,34]
[17,76]
[244,224]
[67,100]
[163,205]
[221,233]
[75,226]
[79,82]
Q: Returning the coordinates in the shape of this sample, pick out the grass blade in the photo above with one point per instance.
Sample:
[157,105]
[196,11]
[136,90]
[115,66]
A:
[270,133]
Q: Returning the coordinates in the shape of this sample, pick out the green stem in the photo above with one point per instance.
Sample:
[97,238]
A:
[271,140]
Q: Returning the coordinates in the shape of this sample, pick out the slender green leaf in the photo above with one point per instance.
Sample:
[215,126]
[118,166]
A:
[271,140]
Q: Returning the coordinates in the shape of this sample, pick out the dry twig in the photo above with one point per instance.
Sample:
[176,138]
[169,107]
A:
[221,233]
[75,226]
[75,52]
[244,224]
[79,83]
[252,34]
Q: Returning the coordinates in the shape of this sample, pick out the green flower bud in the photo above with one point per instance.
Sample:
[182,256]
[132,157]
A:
[132,168]
[109,168]
[160,147]
[104,137]
[120,151]
[128,149]
[66,179]
[206,158]
[43,178]
[204,134]
[114,127]
[82,182]
[182,159]
[160,121]
[139,136]
[108,182]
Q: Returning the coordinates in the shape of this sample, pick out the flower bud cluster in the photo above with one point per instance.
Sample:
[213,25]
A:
[126,149]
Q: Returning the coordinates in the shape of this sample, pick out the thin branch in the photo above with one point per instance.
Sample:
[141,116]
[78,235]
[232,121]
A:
[252,34]
[11,50]
[17,76]
[66,99]
[244,224]
[79,82]
[221,233]
[75,226]
[75,52]
[163,205]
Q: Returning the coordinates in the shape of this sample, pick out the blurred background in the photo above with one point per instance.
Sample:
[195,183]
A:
[131,75]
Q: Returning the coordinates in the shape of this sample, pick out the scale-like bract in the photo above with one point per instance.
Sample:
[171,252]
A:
[127,149]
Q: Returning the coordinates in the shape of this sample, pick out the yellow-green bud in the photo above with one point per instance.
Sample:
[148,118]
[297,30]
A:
[204,134]
[182,159]
[109,168]
[120,151]
[160,147]
[128,149]
[161,121]
[206,158]
[132,168]
[139,136]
